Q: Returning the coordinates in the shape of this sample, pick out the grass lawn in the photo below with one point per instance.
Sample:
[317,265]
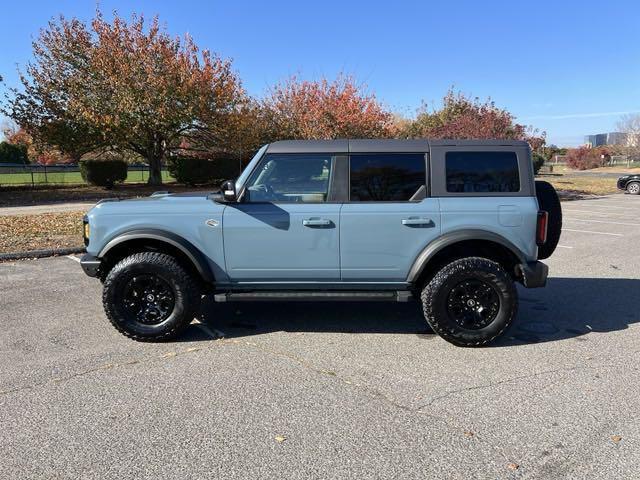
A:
[21,233]
[71,178]
[570,186]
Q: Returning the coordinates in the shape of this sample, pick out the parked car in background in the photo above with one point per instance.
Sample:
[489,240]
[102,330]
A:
[630,183]
[451,223]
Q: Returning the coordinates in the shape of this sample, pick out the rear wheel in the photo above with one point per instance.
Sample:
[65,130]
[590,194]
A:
[470,302]
[549,201]
[150,297]
[633,188]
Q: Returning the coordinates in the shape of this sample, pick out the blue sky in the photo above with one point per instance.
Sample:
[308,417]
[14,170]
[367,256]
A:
[567,67]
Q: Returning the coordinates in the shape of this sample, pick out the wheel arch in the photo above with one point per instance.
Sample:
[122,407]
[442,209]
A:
[136,240]
[463,243]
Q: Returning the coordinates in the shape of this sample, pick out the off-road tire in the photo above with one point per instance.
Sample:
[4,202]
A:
[186,296]
[633,190]
[436,293]
[549,201]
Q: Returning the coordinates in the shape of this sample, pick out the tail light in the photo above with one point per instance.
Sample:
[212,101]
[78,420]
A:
[541,227]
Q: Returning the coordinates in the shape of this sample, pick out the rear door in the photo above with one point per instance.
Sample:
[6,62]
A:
[389,217]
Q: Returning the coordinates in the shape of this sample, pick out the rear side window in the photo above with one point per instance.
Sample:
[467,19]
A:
[394,177]
[482,172]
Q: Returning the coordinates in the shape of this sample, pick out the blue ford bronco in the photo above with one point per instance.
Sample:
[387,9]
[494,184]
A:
[451,223]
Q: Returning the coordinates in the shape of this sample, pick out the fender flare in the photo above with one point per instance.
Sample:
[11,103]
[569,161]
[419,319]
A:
[457,236]
[194,255]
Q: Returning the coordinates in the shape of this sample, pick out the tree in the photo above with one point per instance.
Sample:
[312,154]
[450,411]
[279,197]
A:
[583,158]
[321,109]
[12,153]
[462,117]
[121,84]
[630,124]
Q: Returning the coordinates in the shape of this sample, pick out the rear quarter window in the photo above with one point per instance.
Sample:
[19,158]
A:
[478,172]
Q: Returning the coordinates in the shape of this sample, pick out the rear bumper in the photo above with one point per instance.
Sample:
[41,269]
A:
[534,274]
[90,264]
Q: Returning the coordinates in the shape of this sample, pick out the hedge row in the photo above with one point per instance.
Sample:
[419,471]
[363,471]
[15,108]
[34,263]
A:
[186,170]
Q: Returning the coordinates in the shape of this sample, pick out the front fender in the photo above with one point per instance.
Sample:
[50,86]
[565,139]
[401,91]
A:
[191,252]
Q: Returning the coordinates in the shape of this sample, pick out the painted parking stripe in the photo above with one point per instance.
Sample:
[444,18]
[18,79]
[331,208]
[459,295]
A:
[602,221]
[74,258]
[563,246]
[214,333]
[596,212]
[590,231]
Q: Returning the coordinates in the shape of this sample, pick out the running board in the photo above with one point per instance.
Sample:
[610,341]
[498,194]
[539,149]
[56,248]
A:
[305,296]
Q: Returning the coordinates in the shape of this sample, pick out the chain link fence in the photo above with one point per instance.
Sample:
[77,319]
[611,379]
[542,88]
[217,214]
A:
[32,175]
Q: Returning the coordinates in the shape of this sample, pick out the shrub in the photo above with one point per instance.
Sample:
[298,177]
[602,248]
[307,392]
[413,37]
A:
[199,171]
[103,173]
[538,162]
[13,153]
[583,158]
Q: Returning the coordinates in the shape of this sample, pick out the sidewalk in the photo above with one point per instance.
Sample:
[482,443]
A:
[50,208]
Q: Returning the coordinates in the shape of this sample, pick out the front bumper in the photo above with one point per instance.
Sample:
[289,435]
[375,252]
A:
[533,274]
[90,264]
[622,183]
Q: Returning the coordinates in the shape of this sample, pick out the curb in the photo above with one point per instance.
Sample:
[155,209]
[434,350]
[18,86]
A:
[41,253]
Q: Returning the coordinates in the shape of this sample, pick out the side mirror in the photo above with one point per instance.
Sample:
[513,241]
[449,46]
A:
[229,191]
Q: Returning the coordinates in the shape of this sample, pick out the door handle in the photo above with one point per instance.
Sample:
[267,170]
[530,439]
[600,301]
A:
[418,222]
[316,222]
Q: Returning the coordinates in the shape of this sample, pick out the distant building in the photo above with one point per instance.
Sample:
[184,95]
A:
[611,138]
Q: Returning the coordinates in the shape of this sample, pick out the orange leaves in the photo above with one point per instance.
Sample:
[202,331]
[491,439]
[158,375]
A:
[323,110]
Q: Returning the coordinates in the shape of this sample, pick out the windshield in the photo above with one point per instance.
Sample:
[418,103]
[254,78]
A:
[250,166]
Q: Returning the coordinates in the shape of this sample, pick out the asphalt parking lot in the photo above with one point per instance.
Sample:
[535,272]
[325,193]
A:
[332,390]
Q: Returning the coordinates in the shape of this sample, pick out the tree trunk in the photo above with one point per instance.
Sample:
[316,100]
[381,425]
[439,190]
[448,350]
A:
[155,170]
[154,156]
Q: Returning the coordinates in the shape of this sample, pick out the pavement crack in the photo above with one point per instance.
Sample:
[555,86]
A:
[519,378]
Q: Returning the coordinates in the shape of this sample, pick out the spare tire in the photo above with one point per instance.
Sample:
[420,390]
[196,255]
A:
[549,201]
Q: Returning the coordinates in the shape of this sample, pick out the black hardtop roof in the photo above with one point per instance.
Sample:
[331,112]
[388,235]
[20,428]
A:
[379,146]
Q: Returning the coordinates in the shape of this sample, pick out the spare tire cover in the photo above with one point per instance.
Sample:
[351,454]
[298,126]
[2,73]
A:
[549,201]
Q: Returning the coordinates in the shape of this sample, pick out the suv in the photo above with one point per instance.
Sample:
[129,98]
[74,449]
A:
[630,183]
[452,223]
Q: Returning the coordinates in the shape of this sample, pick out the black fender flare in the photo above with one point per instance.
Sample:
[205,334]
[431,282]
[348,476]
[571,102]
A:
[194,255]
[457,236]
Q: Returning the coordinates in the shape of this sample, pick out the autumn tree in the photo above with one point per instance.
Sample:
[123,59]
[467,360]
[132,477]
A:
[322,109]
[461,117]
[583,158]
[121,84]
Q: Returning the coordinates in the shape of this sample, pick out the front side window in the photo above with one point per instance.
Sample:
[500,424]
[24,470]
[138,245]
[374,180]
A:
[297,178]
[395,177]
[477,172]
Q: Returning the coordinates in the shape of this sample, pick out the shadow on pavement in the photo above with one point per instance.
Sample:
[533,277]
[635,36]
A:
[568,308]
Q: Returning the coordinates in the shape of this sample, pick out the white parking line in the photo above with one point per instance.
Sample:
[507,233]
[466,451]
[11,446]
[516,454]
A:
[595,212]
[74,258]
[590,231]
[602,221]
[563,246]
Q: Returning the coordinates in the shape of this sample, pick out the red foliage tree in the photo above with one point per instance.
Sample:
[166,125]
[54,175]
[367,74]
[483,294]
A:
[584,158]
[324,110]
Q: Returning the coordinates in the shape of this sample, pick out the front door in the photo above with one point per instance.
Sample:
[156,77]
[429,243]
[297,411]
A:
[388,220]
[284,229]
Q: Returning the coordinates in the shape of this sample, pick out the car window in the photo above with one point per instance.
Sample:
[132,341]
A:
[290,178]
[386,177]
[482,172]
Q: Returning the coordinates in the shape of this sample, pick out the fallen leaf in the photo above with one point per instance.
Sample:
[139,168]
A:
[616,438]
[169,354]
[513,466]
[280,438]
[468,434]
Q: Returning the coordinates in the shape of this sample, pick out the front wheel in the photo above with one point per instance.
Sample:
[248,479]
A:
[470,302]
[150,297]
